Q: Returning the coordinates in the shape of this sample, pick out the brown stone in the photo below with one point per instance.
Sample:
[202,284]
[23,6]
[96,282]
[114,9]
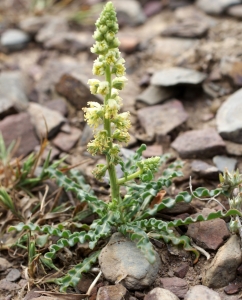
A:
[16,127]
[65,141]
[182,270]
[209,234]
[232,289]
[74,87]
[112,292]
[162,119]
[4,264]
[58,105]
[202,143]
[153,150]
[186,29]
[159,293]
[8,286]
[175,285]
[128,44]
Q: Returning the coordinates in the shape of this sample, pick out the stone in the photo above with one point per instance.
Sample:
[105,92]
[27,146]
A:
[45,120]
[68,42]
[223,162]
[152,8]
[153,150]
[216,7]
[176,75]
[74,87]
[209,234]
[52,28]
[231,67]
[16,127]
[84,283]
[175,285]
[200,292]
[121,261]
[155,94]
[222,269]
[188,28]
[13,275]
[233,148]
[65,141]
[8,285]
[159,293]
[235,11]
[162,119]
[171,47]
[113,292]
[183,268]
[128,44]
[4,264]
[129,12]
[58,105]
[232,288]
[202,143]
[229,122]
[32,294]
[204,170]
[33,24]
[12,99]
[14,39]
[86,136]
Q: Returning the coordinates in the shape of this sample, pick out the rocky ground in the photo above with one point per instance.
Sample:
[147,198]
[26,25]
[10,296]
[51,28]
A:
[184,93]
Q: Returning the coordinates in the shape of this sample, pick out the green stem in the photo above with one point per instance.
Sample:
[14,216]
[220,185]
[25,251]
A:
[129,177]
[107,126]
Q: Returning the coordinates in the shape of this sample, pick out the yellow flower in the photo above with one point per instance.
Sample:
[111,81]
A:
[111,109]
[93,114]
[98,68]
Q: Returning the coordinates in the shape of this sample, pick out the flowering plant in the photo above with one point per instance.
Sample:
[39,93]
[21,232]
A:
[133,214]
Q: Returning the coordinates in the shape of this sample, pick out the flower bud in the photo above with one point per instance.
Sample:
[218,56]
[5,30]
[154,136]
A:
[118,82]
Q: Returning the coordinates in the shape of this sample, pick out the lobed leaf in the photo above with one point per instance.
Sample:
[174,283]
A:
[74,275]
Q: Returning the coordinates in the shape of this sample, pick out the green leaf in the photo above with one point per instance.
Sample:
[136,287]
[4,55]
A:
[141,240]
[74,275]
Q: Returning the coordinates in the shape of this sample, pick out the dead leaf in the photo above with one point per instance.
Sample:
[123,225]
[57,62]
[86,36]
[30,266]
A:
[158,198]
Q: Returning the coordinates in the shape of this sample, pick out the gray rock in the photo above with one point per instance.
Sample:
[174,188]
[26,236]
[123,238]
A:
[204,170]
[14,39]
[45,120]
[210,234]
[112,292]
[12,99]
[162,119]
[154,95]
[74,87]
[223,162]
[8,285]
[159,293]
[52,28]
[122,261]
[86,136]
[235,11]
[175,285]
[129,12]
[203,143]
[32,25]
[4,264]
[200,292]
[176,75]
[16,127]
[229,120]
[222,269]
[216,7]
[13,275]
[188,28]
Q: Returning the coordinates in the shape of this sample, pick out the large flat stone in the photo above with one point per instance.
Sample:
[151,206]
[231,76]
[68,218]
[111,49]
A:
[229,121]
[215,7]
[203,143]
[162,119]
[176,75]
[16,127]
